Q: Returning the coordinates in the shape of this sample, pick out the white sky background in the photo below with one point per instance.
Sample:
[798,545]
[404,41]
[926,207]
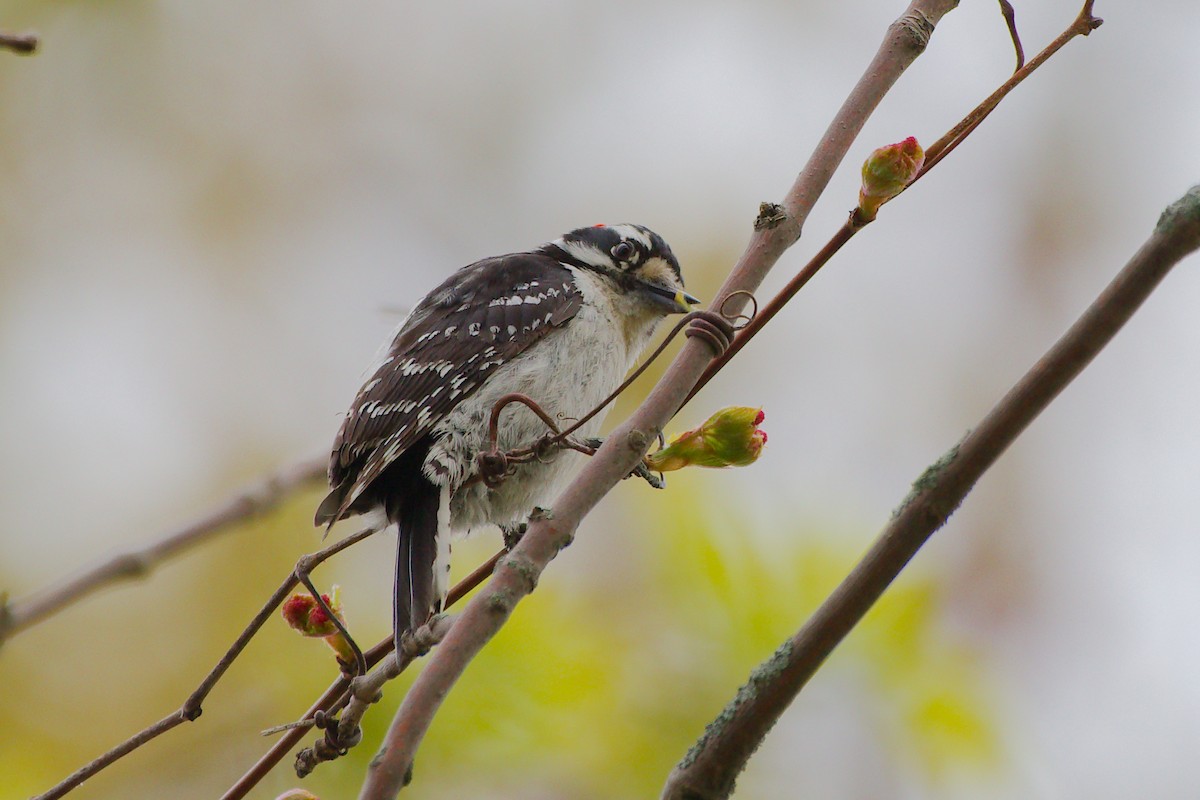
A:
[207,208]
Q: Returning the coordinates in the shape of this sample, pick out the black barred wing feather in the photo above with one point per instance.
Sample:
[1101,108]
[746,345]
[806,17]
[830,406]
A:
[482,317]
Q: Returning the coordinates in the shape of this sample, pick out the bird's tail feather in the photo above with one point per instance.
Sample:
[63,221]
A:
[417,597]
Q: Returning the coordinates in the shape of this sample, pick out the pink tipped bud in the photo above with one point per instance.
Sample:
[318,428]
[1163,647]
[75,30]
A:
[297,794]
[303,615]
[296,611]
[729,438]
[886,173]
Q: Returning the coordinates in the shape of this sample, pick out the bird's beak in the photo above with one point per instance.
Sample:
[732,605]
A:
[675,301]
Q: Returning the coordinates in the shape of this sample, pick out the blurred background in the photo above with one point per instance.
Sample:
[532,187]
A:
[213,213]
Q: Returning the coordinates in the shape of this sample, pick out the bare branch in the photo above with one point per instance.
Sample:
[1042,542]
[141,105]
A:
[335,696]
[1010,19]
[518,572]
[123,749]
[191,708]
[709,770]
[344,731]
[1083,24]
[263,496]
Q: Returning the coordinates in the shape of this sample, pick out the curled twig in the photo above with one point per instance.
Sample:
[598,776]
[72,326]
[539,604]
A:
[740,319]
[1010,18]
[494,465]
[713,318]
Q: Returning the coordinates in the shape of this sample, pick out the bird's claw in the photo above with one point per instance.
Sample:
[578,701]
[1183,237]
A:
[656,480]
[513,533]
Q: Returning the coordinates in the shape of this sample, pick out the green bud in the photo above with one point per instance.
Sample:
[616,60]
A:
[886,173]
[729,438]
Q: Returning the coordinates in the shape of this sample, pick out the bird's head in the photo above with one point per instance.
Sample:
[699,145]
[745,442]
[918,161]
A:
[635,258]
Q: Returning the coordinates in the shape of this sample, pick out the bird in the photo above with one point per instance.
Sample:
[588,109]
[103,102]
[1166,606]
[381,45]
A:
[562,324]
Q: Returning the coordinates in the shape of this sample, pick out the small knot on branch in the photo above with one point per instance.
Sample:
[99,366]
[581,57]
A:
[770,215]
[1087,19]
[918,29]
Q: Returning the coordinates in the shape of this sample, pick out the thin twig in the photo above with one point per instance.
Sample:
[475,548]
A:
[21,43]
[335,696]
[756,323]
[709,770]
[191,708]
[344,732]
[360,663]
[259,498]
[1010,19]
[123,749]
[1082,26]
[518,572]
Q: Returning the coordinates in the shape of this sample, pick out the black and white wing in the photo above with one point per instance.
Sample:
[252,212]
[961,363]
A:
[483,316]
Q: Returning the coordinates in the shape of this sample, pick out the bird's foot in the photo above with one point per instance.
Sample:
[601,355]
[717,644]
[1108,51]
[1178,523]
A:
[416,643]
[656,480]
[512,534]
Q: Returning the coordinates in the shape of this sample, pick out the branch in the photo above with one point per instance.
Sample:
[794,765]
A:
[344,731]
[1083,25]
[517,573]
[21,43]
[192,707]
[709,770]
[257,499]
[1010,19]
[335,696]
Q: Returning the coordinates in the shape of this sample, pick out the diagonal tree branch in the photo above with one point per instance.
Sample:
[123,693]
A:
[336,693]
[263,496]
[709,770]
[1083,25]
[517,573]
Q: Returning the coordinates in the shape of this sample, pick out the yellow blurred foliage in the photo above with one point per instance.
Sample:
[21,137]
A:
[586,693]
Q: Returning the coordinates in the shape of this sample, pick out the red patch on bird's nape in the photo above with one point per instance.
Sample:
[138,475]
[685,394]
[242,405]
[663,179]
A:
[599,225]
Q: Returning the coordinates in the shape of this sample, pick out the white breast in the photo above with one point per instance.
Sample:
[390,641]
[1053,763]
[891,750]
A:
[568,373]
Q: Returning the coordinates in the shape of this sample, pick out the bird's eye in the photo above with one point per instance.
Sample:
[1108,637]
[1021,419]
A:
[623,251]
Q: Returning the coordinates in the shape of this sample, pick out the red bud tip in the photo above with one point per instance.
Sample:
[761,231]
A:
[303,615]
[317,617]
[886,173]
[296,610]
[729,438]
